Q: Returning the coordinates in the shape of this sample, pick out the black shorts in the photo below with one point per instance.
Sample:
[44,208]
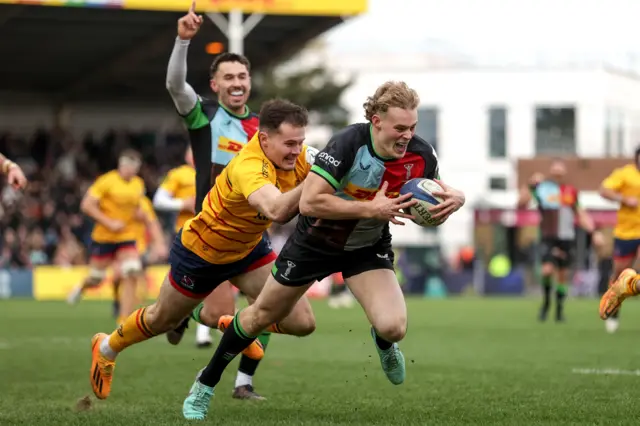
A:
[558,252]
[300,264]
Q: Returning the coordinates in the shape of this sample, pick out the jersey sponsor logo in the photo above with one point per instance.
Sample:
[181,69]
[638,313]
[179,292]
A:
[265,169]
[310,155]
[363,167]
[260,216]
[227,145]
[327,158]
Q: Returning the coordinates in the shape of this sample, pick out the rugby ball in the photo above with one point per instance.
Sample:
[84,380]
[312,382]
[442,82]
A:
[422,190]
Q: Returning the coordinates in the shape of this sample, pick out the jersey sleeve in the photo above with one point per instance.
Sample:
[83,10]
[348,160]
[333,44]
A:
[100,187]
[197,117]
[171,183]
[335,160]
[432,171]
[615,180]
[251,174]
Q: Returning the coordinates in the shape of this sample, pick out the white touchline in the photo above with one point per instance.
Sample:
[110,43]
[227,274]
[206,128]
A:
[606,371]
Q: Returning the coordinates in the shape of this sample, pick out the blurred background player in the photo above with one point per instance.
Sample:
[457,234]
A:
[148,230]
[177,194]
[623,186]
[114,202]
[217,131]
[13,172]
[558,204]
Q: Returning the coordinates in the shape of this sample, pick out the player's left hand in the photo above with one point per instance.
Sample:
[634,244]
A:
[16,178]
[452,198]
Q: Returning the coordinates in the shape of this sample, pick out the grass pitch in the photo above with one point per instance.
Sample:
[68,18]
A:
[469,361]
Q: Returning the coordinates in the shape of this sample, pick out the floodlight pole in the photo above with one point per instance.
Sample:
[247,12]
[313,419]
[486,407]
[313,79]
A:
[234,28]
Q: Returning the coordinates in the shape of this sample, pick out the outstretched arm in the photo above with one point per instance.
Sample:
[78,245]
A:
[183,95]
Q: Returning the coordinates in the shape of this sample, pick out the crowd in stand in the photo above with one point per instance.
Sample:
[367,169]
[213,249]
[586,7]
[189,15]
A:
[44,225]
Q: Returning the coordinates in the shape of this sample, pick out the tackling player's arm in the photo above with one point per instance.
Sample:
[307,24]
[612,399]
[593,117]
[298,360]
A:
[90,204]
[257,185]
[611,189]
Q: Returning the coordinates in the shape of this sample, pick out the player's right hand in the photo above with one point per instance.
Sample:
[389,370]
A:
[189,24]
[115,225]
[384,208]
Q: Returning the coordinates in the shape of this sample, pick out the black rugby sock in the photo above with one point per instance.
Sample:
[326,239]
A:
[381,343]
[249,366]
[234,340]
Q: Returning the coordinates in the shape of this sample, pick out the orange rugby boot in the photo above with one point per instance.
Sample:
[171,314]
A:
[618,291]
[101,368]
[254,351]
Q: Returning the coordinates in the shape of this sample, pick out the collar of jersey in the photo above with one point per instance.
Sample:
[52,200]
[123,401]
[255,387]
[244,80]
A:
[246,113]
[373,147]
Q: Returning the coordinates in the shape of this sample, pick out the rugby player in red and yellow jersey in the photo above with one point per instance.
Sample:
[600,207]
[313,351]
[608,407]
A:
[225,241]
[148,230]
[114,202]
[623,186]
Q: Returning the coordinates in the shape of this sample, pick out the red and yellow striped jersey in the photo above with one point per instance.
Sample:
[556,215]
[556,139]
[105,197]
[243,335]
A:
[228,228]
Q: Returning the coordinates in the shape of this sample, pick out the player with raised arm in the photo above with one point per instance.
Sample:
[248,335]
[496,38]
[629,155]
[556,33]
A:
[623,186]
[15,175]
[114,203]
[346,205]
[217,131]
[225,241]
[559,209]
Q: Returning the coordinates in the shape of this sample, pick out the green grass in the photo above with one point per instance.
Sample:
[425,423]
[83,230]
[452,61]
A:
[469,361]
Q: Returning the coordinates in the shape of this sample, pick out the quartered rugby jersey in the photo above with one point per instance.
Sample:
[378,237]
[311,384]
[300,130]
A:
[350,164]
[216,135]
[557,205]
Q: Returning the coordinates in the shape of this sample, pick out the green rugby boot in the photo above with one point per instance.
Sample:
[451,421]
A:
[196,405]
[392,361]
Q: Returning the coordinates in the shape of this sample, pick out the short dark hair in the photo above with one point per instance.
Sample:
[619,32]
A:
[228,57]
[132,154]
[277,111]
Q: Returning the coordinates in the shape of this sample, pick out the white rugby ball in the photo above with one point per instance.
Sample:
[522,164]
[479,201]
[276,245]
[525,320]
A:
[422,190]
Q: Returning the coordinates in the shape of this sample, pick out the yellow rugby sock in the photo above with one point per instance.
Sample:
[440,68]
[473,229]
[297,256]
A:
[133,330]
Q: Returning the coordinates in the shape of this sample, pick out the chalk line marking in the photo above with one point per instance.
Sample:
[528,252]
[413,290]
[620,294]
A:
[605,372]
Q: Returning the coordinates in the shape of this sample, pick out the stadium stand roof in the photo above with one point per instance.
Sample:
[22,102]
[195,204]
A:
[88,53]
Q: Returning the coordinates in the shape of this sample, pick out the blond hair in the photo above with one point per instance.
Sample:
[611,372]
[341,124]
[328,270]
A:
[391,94]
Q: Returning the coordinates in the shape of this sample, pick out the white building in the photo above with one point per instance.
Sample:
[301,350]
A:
[483,119]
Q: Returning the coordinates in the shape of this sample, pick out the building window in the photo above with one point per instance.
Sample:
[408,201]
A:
[427,127]
[497,132]
[498,183]
[555,131]
[608,121]
[614,133]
